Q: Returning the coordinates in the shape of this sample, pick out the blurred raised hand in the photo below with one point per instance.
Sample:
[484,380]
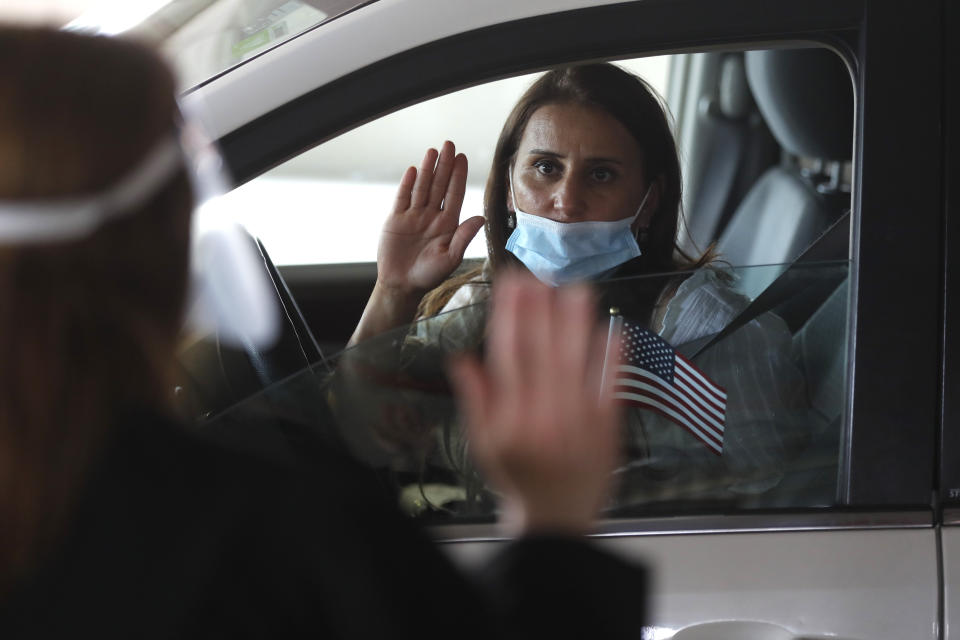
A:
[542,422]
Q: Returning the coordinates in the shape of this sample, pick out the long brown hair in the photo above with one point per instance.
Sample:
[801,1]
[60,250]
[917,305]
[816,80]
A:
[636,105]
[87,327]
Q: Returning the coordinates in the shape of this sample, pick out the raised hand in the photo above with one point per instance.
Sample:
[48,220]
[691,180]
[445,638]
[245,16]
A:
[542,423]
[422,241]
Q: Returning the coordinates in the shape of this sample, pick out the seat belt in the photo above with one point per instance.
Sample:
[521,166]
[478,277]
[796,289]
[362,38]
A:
[806,284]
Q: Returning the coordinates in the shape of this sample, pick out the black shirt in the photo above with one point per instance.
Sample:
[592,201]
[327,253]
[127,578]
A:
[176,537]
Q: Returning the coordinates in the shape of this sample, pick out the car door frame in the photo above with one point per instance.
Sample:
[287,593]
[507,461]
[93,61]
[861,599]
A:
[900,384]
[893,415]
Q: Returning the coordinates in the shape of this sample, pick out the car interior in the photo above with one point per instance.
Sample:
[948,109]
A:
[768,169]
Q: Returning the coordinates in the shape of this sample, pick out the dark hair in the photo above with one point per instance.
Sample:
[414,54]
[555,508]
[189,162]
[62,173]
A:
[639,109]
[87,327]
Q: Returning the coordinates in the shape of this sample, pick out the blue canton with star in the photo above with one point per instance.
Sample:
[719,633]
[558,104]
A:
[644,349]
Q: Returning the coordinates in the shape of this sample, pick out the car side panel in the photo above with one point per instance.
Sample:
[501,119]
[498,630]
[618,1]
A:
[849,584]
[950,548]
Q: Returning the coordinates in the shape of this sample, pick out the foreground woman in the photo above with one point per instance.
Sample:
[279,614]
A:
[118,522]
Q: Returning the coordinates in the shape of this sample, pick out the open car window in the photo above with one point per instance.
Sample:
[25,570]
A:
[326,206]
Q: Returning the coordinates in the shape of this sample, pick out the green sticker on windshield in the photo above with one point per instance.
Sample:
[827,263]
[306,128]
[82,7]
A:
[259,39]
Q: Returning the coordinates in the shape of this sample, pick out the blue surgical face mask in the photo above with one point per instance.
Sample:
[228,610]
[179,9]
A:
[562,252]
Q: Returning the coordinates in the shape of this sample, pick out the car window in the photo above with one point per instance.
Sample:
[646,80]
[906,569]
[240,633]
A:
[745,414]
[748,414]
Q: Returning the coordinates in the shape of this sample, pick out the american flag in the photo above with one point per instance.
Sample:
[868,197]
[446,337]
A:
[652,375]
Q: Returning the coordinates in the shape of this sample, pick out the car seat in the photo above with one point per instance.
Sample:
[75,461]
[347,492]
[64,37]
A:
[737,147]
[806,98]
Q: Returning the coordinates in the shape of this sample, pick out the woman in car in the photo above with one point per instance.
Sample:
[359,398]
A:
[585,186]
[118,522]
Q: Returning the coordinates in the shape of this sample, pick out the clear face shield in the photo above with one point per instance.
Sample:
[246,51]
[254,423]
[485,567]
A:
[231,295]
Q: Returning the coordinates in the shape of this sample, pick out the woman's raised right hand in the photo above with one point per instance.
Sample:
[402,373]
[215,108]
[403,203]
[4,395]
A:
[423,241]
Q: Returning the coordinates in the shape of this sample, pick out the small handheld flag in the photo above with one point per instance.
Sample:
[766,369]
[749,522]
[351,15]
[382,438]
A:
[654,376]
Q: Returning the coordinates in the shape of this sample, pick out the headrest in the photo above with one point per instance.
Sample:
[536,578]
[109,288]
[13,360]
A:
[733,91]
[806,97]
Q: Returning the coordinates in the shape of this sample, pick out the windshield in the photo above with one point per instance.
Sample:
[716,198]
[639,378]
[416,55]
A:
[769,436]
[203,38]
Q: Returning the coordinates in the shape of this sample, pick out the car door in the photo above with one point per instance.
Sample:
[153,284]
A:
[949,471]
[862,564]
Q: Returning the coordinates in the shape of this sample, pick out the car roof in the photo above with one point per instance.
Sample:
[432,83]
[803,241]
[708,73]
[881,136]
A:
[319,56]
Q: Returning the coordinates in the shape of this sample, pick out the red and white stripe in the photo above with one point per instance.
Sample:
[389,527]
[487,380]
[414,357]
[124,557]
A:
[693,402]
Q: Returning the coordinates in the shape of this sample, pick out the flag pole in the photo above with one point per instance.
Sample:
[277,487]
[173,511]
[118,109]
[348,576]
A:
[609,359]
